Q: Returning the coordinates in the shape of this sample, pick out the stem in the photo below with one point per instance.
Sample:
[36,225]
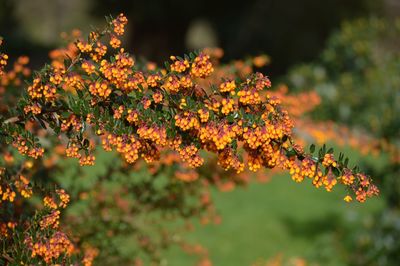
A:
[13,119]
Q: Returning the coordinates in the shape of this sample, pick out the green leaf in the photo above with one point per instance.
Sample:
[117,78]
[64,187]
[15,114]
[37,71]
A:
[290,153]
[312,148]
[346,162]
[80,93]
[230,118]
[86,143]
[326,171]
[234,144]
[336,171]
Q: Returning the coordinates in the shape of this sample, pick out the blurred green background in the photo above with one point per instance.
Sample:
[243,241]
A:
[348,51]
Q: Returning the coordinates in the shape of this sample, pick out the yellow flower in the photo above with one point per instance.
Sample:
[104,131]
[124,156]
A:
[348,198]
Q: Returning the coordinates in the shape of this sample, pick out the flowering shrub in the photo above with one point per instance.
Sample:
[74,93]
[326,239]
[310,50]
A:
[175,116]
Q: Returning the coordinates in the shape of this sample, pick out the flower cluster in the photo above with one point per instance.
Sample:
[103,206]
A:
[64,198]
[89,255]
[100,89]
[49,202]
[6,228]
[179,65]
[34,109]
[7,194]
[87,160]
[201,66]
[3,60]
[22,185]
[119,24]
[22,146]
[50,220]
[38,90]
[227,86]
[50,248]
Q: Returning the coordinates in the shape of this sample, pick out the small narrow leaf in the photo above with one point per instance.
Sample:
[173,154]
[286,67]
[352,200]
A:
[312,148]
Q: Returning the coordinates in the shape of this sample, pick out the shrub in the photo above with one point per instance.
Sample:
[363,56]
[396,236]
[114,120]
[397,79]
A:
[176,116]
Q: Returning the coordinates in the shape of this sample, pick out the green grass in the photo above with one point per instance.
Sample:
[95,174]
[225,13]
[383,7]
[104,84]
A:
[263,220]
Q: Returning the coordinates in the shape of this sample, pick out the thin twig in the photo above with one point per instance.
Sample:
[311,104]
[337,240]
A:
[13,119]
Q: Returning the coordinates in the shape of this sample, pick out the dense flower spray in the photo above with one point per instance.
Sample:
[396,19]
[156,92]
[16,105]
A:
[139,113]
